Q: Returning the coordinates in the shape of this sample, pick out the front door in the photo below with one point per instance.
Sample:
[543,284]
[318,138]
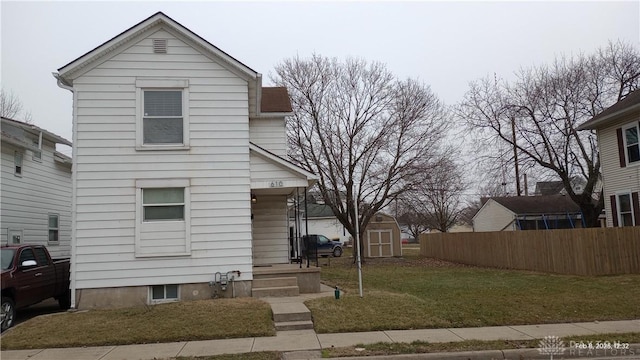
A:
[380,243]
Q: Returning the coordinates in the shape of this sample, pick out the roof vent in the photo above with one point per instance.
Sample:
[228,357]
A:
[160,46]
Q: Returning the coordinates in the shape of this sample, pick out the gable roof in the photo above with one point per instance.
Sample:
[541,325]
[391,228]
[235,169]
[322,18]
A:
[549,187]
[158,18]
[275,100]
[529,205]
[630,103]
[311,177]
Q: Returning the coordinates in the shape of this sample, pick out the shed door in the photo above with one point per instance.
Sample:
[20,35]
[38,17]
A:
[380,243]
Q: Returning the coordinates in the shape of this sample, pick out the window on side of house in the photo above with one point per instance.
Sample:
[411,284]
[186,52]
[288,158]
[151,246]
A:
[17,159]
[37,154]
[162,120]
[163,293]
[163,204]
[632,143]
[625,210]
[54,228]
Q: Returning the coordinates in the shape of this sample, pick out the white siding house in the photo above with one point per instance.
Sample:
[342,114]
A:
[618,130]
[178,173]
[35,199]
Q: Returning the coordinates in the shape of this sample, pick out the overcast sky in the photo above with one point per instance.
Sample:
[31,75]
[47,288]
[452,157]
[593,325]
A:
[445,44]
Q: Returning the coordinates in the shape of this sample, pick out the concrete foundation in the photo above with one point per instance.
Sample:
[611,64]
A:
[308,277]
[132,296]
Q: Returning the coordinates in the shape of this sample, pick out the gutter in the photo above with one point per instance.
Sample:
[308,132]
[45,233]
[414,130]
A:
[72,266]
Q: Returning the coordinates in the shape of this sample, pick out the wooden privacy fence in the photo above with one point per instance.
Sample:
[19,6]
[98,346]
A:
[594,251]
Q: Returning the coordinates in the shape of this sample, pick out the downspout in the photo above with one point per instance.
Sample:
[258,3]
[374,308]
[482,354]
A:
[72,267]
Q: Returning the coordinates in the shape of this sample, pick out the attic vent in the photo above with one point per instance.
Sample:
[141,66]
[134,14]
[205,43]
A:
[160,46]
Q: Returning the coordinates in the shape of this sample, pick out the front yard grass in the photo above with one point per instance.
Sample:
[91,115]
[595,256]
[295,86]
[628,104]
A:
[413,292]
[182,321]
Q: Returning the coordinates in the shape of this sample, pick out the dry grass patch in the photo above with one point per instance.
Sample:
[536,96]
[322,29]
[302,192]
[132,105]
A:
[416,292]
[420,347]
[181,321]
[264,355]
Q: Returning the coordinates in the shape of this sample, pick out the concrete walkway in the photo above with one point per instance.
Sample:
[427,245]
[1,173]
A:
[305,344]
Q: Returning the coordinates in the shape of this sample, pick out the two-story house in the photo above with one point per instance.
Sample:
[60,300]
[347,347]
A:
[35,195]
[179,179]
[618,131]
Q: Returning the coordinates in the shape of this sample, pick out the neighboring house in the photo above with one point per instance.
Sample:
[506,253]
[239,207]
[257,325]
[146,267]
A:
[618,131]
[557,187]
[179,171]
[320,220]
[527,213]
[35,200]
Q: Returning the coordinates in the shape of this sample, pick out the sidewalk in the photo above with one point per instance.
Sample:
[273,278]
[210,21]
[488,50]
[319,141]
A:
[306,343]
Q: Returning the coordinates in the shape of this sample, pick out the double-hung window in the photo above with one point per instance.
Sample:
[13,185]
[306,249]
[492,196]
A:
[163,116]
[163,204]
[625,210]
[632,143]
[17,161]
[54,228]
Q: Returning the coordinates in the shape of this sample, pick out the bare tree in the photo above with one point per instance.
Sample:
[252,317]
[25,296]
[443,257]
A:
[11,107]
[361,130]
[435,197]
[543,107]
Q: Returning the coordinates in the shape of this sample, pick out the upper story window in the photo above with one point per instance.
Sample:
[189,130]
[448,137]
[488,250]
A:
[632,143]
[17,160]
[37,154]
[163,116]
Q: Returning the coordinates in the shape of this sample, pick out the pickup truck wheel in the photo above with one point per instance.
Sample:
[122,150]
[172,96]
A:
[65,300]
[8,313]
[337,252]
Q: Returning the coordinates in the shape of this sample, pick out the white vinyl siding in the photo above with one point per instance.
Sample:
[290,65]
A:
[269,134]
[270,230]
[266,174]
[27,201]
[494,217]
[616,179]
[108,166]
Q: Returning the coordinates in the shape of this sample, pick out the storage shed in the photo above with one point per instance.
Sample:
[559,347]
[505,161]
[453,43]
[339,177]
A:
[381,238]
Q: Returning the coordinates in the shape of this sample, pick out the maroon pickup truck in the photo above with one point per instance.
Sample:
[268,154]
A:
[29,275]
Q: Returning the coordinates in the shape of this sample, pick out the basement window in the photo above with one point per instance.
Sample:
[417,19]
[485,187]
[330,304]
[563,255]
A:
[164,293]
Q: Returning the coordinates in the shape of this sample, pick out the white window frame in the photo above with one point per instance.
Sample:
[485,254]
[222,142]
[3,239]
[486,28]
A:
[140,223]
[37,154]
[626,146]
[619,208]
[53,228]
[164,299]
[143,85]
[18,161]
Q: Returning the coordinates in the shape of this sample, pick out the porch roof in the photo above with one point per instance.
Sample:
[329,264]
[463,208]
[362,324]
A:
[272,172]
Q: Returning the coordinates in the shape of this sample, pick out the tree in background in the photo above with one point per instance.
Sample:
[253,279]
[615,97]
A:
[361,130]
[538,114]
[434,201]
[11,107]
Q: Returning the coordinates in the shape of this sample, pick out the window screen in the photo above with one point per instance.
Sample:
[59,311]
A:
[162,120]
[163,204]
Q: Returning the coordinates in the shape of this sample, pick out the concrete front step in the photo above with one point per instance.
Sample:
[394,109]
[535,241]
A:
[294,325]
[280,291]
[285,312]
[259,283]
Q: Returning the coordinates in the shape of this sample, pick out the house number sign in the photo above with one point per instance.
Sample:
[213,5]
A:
[277,183]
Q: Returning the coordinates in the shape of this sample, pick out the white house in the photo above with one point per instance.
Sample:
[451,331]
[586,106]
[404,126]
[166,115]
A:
[513,213]
[618,131]
[179,177]
[35,199]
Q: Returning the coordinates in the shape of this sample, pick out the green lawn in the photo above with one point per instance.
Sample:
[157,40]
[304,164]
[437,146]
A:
[412,292]
[183,321]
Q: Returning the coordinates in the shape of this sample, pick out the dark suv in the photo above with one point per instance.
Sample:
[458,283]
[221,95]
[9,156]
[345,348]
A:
[322,245]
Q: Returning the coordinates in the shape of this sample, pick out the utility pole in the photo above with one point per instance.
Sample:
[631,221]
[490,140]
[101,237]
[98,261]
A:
[515,154]
[358,261]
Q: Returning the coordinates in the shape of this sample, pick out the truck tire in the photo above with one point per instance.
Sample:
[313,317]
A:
[8,314]
[65,300]
[337,251]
